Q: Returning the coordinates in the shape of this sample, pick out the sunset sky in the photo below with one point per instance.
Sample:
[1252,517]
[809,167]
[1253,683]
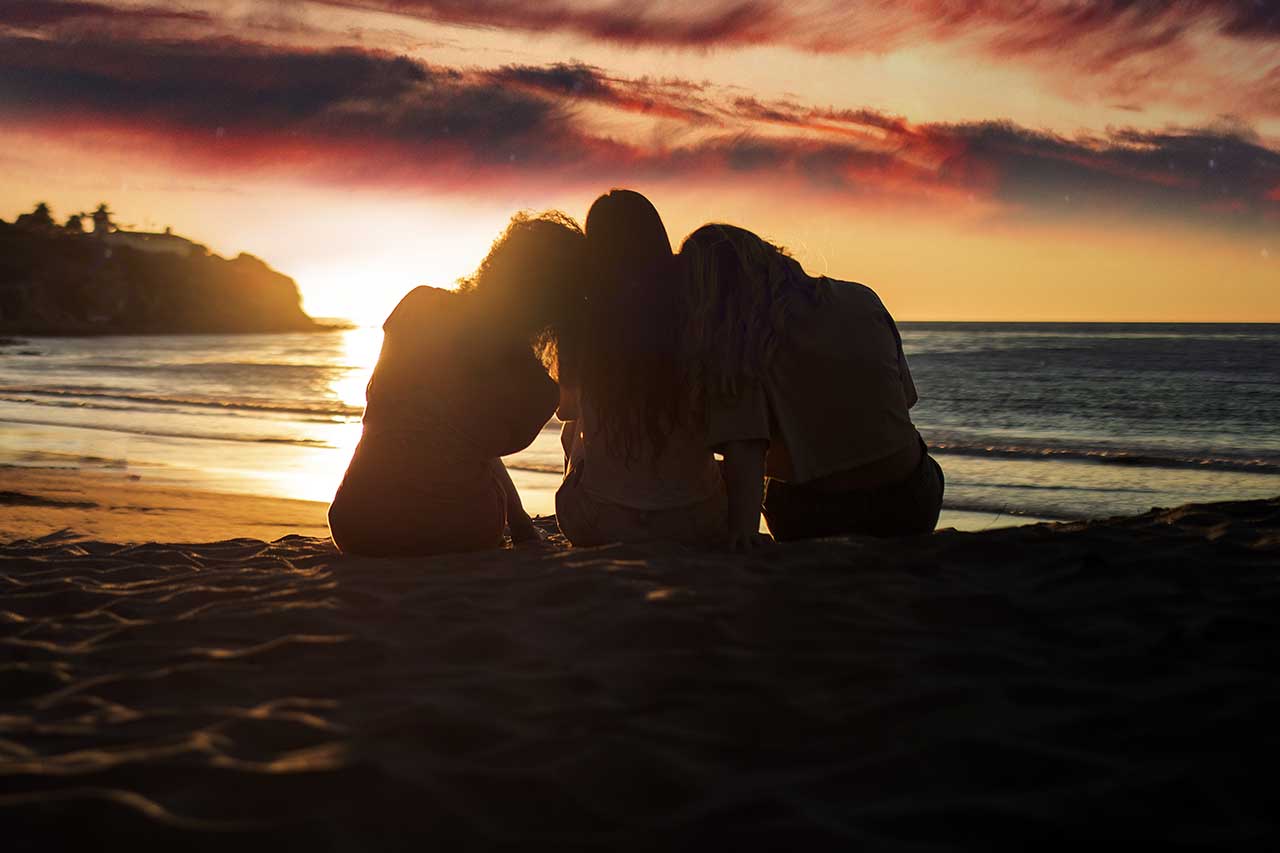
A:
[969,159]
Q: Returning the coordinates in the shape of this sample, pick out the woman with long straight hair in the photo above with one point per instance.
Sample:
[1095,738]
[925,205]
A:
[804,379]
[638,466]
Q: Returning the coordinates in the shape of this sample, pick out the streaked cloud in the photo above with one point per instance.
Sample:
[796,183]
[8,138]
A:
[1166,51]
[1137,53]
[349,115]
[44,13]
[831,25]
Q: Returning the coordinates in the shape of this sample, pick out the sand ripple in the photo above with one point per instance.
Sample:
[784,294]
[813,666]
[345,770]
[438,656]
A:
[1069,683]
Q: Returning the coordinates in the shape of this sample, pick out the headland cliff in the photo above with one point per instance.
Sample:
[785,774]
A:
[56,281]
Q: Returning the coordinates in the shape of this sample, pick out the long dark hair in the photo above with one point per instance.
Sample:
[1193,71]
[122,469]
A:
[626,349]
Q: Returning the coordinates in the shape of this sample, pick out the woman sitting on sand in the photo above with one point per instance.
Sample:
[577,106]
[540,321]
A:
[638,467]
[456,387]
[811,371]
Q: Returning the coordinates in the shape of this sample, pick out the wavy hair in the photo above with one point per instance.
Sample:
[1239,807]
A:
[740,292]
[532,279]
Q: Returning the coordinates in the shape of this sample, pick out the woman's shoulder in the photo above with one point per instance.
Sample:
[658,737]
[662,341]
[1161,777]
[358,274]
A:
[849,323]
[419,306]
[853,300]
[851,290]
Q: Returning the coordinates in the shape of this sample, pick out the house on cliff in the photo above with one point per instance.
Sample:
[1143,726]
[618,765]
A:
[60,280]
[162,242]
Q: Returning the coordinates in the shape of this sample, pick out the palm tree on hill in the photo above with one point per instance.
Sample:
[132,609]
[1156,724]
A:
[37,218]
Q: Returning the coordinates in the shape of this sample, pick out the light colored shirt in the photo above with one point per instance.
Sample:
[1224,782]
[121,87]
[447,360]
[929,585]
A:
[835,396]
[683,474]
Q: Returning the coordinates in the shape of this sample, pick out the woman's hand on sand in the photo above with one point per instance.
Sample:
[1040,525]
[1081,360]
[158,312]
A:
[743,541]
[523,531]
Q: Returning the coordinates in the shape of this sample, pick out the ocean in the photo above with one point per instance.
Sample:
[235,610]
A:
[1029,421]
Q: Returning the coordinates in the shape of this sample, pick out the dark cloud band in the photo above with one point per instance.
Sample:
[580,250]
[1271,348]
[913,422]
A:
[815,24]
[357,115]
[30,14]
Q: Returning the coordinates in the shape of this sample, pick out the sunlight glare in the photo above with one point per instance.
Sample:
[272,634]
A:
[315,475]
[363,277]
[360,348]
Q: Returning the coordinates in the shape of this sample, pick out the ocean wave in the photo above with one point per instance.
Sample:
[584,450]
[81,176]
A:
[1052,487]
[75,404]
[1000,509]
[117,364]
[159,433]
[535,467]
[1108,456]
[75,460]
[331,408]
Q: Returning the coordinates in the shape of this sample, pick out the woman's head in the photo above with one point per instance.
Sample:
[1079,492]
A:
[626,347]
[625,232]
[738,295]
[533,274]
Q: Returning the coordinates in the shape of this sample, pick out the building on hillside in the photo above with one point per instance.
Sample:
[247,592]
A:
[165,242]
[102,224]
[160,243]
[38,219]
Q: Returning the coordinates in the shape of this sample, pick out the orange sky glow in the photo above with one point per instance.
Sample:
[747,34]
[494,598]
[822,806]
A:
[976,160]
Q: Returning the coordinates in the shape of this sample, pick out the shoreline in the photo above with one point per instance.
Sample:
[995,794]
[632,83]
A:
[118,507]
[277,415]
[13,338]
[123,506]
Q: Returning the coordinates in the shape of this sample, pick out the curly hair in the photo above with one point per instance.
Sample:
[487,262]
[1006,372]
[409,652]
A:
[739,295]
[533,278]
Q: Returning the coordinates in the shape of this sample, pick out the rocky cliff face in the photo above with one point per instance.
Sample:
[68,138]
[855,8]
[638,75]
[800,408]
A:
[55,283]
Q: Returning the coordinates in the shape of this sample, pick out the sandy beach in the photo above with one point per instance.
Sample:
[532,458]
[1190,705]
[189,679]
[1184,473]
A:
[1066,683]
[119,507]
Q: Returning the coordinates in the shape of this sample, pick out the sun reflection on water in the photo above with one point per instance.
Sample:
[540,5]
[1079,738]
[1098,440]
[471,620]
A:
[314,475]
[359,354]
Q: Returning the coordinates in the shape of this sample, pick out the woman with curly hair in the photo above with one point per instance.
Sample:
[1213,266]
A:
[802,379]
[456,387]
[638,465]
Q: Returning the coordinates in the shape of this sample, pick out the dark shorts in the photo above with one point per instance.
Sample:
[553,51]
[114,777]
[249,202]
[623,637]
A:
[906,508]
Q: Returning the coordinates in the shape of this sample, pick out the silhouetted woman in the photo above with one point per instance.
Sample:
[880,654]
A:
[638,466]
[456,387]
[810,371]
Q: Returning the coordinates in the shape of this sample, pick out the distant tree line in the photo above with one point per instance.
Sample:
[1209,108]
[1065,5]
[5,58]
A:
[41,219]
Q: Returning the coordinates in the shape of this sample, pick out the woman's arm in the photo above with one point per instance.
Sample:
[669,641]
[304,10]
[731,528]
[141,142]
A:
[571,443]
[904,372]
[508,404]
[522,529]
[569,414]
[744,481]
